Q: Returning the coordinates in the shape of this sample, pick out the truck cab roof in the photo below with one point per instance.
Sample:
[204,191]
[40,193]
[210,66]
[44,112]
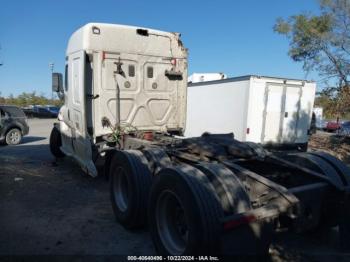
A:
[129,39]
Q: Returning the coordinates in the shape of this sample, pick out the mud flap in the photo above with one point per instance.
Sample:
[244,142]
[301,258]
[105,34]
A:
[250,239]
[344,224]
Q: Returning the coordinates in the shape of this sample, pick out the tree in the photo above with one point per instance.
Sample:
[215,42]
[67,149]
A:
[26,99]
[322,43]
[2,99]
[327,101]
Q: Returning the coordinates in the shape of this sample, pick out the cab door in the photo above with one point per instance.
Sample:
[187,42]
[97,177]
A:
[77,97]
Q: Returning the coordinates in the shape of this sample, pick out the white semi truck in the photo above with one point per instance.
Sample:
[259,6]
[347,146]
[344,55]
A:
[124,97]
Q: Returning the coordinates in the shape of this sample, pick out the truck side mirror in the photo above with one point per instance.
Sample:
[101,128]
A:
[57,83]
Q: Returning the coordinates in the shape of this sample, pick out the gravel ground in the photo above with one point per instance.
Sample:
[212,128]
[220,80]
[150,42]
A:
[53,208]
[339,146]
[49,208]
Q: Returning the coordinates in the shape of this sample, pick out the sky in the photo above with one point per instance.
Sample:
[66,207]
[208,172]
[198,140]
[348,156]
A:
[233,37]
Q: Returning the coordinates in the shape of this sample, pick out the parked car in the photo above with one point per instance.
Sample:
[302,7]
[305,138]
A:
[53,110]
[28,111]
[13,124]
[324,125]
[333,126]
[45,111]
[344,129]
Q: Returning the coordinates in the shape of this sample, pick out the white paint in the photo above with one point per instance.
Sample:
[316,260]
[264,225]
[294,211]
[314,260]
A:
[101,85]
[319,117]
[249,102]
[204,77]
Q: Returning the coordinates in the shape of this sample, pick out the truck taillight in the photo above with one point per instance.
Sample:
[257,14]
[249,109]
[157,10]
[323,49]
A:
[173,61]
[243,220]
[248,130]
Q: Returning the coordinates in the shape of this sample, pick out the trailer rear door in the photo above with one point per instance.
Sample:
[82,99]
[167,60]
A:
[291,113]
[281,115]
[273,113]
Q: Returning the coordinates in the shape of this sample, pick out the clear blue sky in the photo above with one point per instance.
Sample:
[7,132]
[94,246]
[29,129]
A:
[234,37]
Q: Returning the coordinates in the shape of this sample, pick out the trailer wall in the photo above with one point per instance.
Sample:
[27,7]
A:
[217,108]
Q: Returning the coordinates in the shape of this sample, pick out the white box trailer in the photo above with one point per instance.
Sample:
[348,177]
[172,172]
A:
[203,77]
[267,110]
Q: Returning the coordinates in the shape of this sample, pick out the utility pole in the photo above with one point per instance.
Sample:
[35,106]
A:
[51,65]
[1,63]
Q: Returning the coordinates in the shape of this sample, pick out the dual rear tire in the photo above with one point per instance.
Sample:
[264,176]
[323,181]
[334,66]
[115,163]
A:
[184,213]
[181,203]
[130,183]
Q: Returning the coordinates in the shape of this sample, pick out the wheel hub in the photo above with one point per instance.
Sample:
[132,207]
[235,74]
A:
[14,136]
[172,223]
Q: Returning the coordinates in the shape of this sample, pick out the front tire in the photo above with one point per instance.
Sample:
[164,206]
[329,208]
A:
[13,136]
[56,143]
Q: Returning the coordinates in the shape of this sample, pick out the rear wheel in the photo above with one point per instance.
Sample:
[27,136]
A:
[13,136]
[341,213]
[157,159]
[324,164]
[228,188]
[184,213]
[56,143]
[130,182]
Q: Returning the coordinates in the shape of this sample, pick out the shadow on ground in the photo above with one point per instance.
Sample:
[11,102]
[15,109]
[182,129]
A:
[54,208]
[30,139]
[26,140]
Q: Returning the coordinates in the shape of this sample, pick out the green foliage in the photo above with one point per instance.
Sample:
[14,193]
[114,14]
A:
[328,104]
[322,43]
[334,103]
[118,130]
[26,99]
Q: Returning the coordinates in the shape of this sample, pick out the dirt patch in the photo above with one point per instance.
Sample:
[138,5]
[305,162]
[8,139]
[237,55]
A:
[55,209]
[335,145]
